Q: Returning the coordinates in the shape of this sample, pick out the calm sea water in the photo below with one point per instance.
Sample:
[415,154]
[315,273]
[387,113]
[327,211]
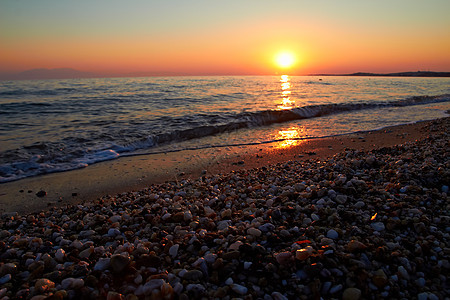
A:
[57,125]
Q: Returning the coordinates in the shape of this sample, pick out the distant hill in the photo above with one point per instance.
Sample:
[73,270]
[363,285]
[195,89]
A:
[398,74]
[60,73]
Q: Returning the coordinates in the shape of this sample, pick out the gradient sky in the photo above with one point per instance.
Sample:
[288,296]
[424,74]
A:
[226,37]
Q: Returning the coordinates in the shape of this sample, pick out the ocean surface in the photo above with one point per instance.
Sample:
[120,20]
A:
[58,125]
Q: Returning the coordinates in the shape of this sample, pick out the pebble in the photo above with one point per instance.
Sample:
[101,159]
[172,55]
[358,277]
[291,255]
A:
[254,232]
[118,263]
[6,278]
[241,290]
[378,226]
[173,250]
[332,234]
[44,285]
[351,294]
[306,223]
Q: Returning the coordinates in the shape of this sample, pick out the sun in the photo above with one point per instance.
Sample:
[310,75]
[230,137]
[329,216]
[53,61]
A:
[285,60]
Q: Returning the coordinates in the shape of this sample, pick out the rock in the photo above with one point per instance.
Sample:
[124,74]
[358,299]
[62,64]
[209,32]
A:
[335,289]
[354,246]
[303,254]
[72,283]
[360,204]
[377,226]
[4,279]
[254,232]
[114,296]
[380,279]
[332,234]
[351,294]
[102,264]
[118,263]
[43,285]
[173,250]
[239,289]
[341,199]
[8,268]
[284,258]
[149,261]
[402,272]
[60,254]
[193,275]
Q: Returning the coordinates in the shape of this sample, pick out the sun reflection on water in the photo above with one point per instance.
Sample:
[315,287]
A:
[286,102]
[291,136]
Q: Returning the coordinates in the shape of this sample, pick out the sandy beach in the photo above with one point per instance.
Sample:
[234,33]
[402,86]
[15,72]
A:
[360,216]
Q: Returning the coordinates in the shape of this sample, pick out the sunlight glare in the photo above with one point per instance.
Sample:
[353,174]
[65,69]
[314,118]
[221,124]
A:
[285,59]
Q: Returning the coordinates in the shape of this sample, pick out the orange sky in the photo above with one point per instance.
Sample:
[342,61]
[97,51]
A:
[233,37]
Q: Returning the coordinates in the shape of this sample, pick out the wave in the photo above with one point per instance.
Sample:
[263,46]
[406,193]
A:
[44,157]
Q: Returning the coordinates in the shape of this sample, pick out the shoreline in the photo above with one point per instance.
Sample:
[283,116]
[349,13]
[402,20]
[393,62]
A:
[370,224]
[138,172]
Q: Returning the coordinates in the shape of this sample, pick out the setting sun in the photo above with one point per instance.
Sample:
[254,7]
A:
[285,59]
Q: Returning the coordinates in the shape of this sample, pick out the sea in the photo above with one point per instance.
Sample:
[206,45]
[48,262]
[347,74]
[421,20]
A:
[60,125]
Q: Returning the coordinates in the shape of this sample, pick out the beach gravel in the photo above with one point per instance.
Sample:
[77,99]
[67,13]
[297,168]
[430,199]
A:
[359,225]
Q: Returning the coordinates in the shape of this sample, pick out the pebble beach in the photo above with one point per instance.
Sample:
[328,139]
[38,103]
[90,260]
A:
[369,224]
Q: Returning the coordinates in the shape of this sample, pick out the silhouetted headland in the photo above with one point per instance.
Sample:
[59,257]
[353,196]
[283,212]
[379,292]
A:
[398,74]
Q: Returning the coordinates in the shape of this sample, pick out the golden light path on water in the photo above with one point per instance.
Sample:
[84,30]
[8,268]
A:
[286,102]
[291,136]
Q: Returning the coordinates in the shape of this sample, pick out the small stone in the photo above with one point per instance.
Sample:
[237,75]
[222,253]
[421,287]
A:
[341,199]
[284,258]
[422,296]
[118,263]
[240,289]
[193,275]
[332,234]
[8,268]
[377,226]
[60,254]
[380,279]
[354,246]
[114,296]
[43,285]
[226,214]
[173,251]
[72,283]
[351,294]
[360,204]
[403,273]
[303,254]
[5,279]
[102,264]
[254,232]
[335,288]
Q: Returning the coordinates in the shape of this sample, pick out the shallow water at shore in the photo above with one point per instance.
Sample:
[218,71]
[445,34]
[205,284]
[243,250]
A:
[58,125]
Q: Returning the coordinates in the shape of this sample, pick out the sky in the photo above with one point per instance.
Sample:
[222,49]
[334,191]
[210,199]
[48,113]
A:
[233,37]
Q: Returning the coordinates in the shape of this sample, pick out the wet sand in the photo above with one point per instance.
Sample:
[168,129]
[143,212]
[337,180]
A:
[136,173]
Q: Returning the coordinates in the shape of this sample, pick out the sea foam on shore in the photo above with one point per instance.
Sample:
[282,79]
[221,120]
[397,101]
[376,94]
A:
[358,225]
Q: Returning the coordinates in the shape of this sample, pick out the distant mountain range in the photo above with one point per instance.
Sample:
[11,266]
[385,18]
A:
[68,73]
[398,74]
